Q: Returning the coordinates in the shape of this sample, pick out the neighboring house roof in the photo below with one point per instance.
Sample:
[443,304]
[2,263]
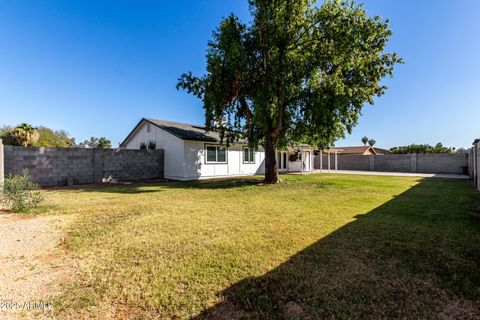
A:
[182,131]
[382,151]
[355,150]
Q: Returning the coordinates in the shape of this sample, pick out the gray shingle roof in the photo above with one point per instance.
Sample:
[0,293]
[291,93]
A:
[182,131]
[186,131]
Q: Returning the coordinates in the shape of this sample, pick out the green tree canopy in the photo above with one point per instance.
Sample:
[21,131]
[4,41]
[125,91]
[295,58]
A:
[43,137]
[6,135]
[94,142]
[53,138]
[422,148]
[298,73]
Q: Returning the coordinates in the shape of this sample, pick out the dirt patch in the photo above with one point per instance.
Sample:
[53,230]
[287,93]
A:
[33,265]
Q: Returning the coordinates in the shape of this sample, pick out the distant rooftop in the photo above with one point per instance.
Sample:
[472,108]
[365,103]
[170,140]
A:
[360,150]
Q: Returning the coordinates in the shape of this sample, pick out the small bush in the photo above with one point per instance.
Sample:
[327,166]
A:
[143,146]
[152,145]
[20,193]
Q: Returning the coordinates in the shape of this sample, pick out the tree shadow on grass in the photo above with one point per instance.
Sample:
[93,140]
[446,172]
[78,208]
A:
[156,186]
[118,188]
[416,256]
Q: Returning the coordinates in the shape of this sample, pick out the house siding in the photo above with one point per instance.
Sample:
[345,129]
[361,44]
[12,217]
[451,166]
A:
[185,159]
[173,146]
[195,166]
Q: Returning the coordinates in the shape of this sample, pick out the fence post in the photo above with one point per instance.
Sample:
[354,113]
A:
[477,165]
[470,163]
[2,165]
[474,163]
[413,162]
[474,153]
[97,154]
[371,164]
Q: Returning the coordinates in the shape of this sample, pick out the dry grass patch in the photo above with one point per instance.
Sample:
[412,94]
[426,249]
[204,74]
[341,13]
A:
[33,264]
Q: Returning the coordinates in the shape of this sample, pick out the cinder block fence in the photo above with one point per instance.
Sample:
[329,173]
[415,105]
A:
[56,166]
[416,163]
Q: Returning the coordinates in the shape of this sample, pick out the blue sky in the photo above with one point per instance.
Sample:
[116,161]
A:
[94,68]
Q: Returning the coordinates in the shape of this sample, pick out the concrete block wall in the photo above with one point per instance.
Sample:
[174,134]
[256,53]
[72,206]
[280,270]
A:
[393,163]
[125,164]
[353,162]
[443,163]
[52,166]
[417,163]
[345,162]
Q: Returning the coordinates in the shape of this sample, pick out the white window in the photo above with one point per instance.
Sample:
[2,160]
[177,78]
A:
[248,155]
[149,127]
[215,154]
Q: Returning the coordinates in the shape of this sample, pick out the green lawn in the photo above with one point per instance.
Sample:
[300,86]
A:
[317,246]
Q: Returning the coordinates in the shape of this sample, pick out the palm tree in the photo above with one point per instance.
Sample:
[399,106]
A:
[24,134]
[365,140]
[371,142]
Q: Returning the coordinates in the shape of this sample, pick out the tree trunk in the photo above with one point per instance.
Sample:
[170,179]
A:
[271,168]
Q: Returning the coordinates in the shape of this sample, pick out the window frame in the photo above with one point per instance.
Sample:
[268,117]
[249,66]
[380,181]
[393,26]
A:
[251,152]
[149,127]
[216,146]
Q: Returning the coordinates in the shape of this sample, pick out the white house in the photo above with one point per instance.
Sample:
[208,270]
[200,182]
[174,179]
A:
[193,153]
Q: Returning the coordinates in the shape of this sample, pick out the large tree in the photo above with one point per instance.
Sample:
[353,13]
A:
[53,138]
[298,73]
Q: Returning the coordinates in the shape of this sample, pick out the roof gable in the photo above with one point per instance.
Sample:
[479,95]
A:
[182,131]
[186,131]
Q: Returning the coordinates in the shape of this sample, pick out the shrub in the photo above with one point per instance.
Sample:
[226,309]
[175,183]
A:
[20,193]
[143,146]
[152,145]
